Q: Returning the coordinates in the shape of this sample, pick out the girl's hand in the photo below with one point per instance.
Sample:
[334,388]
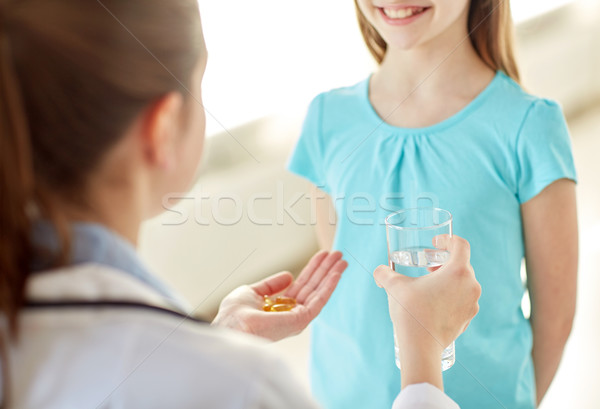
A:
[242,308]
[430,312]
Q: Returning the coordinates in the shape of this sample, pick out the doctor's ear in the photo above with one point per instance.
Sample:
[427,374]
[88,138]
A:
[161,130]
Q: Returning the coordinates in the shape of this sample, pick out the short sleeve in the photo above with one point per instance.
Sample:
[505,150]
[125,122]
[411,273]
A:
[307,159]
[543,150]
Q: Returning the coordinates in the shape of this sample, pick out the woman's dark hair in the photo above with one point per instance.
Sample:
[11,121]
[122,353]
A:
[73,76]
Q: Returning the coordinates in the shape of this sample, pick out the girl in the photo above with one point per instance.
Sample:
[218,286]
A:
[443,122]
[100,117]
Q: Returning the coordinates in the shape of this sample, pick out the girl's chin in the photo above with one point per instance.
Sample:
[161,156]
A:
[403,43]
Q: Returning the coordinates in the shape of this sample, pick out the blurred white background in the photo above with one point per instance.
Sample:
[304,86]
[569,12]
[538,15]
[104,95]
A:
[270,56]
[267,59]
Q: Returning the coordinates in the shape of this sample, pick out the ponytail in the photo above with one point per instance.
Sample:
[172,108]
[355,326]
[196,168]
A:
[16,187]
[71,83]
[16,190]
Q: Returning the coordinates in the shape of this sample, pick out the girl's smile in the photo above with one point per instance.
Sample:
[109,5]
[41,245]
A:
[401,15]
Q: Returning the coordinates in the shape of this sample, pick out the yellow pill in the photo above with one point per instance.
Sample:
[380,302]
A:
[267,307]
[268,300]
[285,300]
[281,307]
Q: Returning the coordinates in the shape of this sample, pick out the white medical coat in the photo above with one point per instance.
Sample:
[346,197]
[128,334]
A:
[95,337]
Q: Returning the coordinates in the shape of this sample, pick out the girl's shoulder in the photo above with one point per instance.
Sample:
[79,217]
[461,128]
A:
[345,98]
[343,108]
[358,90]
[511,98]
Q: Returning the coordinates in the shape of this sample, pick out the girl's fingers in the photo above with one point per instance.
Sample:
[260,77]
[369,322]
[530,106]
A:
[460,250]
[273,284]
[384,276]
[306,273]
[318,275]
[442,241]
[432,269]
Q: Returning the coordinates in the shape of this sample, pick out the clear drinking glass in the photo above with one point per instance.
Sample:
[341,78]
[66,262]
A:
[411,250]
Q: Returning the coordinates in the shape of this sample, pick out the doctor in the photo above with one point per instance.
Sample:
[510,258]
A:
[100,117]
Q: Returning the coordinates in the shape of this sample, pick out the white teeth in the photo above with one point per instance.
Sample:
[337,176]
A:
[402,13]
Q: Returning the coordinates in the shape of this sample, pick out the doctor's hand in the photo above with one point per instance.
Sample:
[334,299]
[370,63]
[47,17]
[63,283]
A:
[242,308]
[431,311]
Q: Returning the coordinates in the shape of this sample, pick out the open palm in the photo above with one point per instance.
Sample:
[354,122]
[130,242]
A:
[242,308]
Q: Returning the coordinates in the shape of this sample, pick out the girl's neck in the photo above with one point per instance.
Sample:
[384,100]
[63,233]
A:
[430,71]
[426,85]
[430,82]
[445,63]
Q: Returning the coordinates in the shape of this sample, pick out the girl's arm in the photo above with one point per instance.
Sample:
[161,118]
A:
[434,311]
[326,218]
[551,254]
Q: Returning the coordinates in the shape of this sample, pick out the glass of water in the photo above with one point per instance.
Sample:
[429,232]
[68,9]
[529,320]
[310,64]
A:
[411,237]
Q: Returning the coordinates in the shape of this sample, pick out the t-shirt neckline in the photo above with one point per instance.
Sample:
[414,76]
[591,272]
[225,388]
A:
[465,111]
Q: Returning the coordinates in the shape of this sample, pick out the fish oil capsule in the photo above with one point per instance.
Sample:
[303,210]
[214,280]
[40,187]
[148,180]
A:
[268,303]
[280,303]
[285,300]
[282,307]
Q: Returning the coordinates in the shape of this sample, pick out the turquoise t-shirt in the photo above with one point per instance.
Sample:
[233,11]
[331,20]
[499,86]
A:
[480,164]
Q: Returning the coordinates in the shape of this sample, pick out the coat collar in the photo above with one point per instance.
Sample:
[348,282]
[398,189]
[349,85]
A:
[101,264]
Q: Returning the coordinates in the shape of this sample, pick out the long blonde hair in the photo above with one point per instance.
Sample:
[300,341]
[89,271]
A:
[490,28]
